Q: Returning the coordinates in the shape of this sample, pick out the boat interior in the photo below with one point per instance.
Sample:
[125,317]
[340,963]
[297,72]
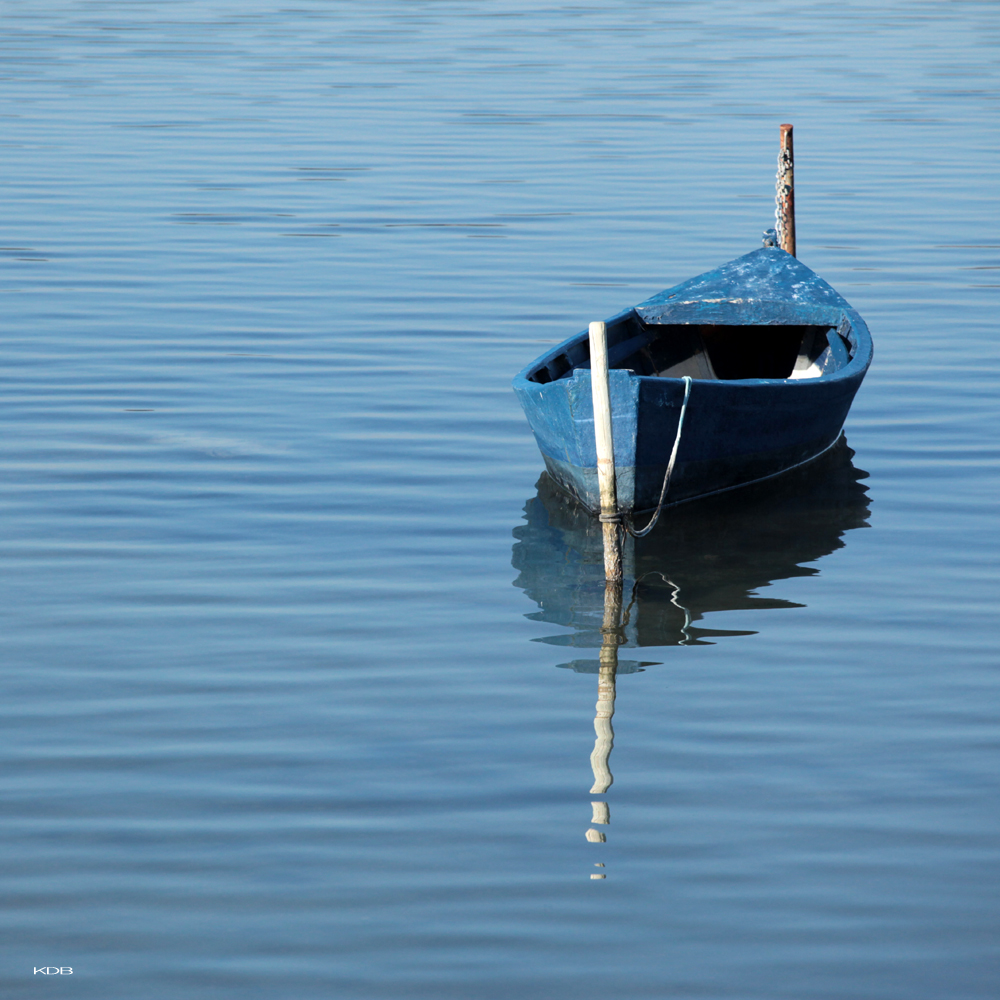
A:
[708,351]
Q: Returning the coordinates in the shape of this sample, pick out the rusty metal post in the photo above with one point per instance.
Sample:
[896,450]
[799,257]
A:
[785,193]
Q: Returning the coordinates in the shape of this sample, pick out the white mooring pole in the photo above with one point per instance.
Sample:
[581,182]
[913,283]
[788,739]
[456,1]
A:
[605,450]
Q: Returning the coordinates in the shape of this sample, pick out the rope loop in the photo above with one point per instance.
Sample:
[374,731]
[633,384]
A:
[629,527]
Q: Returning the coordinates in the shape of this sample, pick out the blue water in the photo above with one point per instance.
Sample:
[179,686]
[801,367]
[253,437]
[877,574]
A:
[283,604]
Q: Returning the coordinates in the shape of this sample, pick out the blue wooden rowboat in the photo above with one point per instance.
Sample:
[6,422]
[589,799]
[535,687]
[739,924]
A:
[776,355]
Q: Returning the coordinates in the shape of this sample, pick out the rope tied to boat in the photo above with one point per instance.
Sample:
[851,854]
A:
[627,521]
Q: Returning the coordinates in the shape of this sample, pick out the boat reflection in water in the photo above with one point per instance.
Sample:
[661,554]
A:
[711,555]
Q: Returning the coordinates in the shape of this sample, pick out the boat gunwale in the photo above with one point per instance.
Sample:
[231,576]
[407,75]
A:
[859,361]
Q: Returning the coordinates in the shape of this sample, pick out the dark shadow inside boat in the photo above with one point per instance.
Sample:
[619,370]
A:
[708,351]
[711,555]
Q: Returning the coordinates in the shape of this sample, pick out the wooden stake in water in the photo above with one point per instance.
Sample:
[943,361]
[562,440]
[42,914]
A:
[786,191]
[605,449]
[610,629]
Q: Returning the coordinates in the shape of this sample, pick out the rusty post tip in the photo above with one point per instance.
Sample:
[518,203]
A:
[785,193]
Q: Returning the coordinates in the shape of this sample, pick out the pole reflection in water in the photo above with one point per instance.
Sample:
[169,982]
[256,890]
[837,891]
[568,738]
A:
[711,555]
[607,671]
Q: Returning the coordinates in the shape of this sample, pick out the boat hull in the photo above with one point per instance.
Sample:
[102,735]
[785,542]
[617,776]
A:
[733,435]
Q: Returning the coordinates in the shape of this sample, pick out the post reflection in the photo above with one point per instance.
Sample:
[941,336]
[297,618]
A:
[607,674]
[708,556]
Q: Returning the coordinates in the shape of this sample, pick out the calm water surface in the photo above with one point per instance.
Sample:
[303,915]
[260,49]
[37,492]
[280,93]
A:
[284,602]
